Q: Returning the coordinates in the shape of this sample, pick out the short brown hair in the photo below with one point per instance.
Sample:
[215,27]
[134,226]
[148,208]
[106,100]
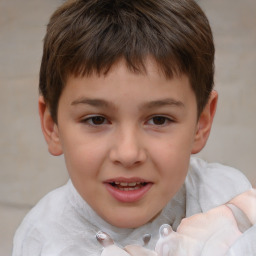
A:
[85,36]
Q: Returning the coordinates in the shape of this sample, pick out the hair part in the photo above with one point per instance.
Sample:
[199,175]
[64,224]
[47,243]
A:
[86,36]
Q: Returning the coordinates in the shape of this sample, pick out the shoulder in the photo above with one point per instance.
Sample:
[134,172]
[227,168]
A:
[39,223]
[57,225]
[213,184]
[50,205]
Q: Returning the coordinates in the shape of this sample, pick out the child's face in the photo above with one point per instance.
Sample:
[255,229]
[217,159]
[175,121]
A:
[127,140]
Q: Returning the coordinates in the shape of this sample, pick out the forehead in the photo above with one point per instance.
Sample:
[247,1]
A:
[120,86]
[121,71]
[140,66]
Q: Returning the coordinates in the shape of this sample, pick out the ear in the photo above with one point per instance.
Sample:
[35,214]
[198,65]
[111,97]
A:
[205,123]
[49,128]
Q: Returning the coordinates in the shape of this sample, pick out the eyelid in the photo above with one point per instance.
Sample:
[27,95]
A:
[87,118]
[168,120]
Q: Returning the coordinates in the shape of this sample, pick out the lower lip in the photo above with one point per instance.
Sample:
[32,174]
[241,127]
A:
[130,196]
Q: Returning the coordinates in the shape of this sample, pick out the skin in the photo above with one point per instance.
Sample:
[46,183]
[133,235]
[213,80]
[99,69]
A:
[127,127]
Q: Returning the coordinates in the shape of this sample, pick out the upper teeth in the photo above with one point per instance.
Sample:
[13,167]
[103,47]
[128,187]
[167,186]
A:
[130,184]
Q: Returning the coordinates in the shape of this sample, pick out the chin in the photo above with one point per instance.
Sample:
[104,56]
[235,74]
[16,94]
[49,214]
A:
[126,221]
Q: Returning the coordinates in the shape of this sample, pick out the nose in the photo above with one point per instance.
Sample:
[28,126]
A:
[127,149]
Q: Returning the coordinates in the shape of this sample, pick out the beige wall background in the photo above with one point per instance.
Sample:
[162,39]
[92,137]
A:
[27,171]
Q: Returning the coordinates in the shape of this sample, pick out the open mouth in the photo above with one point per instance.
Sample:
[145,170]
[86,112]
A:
[128,191]
[128,186]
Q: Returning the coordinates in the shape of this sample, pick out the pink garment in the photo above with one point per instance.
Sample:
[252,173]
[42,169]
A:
[207,234]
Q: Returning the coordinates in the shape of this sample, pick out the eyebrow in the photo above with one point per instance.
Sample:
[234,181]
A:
[92,102]
[163,102]
[147,105]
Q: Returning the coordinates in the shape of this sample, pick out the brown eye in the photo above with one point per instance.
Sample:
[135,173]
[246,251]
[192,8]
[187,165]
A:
[159,120]
[95,120]
[98,120]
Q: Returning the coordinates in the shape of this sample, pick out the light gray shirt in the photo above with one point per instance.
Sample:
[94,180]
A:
[63,224]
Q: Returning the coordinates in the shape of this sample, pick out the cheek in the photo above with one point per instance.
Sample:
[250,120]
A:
[172,151]
[172,162]
[84,156]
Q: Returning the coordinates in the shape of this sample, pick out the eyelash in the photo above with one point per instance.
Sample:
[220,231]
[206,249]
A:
[89,120]
[103,120]
[160,118]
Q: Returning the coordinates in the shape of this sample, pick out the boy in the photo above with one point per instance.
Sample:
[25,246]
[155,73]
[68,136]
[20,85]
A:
[126,94]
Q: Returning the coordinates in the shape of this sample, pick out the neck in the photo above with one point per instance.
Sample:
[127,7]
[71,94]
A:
[171,214]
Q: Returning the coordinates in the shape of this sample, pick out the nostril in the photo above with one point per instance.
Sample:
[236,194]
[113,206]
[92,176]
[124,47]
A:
[127,151]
